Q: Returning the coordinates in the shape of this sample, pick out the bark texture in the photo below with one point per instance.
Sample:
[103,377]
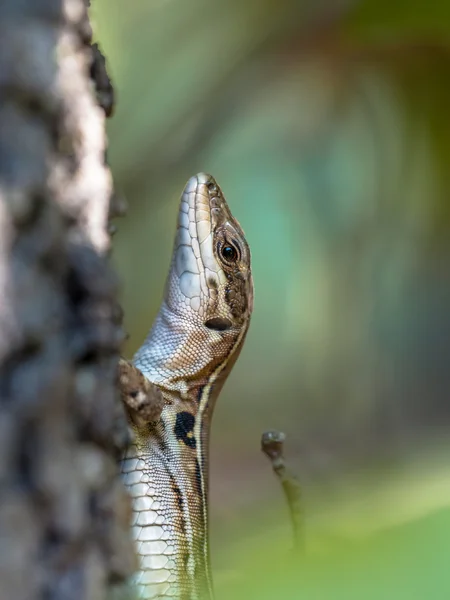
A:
[63,512]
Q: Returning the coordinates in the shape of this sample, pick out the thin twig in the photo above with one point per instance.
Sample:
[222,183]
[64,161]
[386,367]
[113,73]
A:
[272,446]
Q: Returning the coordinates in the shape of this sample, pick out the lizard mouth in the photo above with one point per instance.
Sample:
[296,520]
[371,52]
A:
[201,210]
[196,273]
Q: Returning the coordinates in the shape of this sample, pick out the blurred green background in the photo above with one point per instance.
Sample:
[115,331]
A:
[327,126]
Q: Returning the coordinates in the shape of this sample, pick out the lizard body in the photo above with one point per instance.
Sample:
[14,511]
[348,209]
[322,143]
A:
[192,346]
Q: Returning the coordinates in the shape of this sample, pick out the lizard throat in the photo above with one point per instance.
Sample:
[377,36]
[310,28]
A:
[180,357]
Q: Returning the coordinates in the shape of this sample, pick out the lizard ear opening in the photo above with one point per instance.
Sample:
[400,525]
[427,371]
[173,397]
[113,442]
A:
[218,324]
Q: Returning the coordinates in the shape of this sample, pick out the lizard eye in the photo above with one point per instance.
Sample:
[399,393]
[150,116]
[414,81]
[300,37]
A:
[229,253]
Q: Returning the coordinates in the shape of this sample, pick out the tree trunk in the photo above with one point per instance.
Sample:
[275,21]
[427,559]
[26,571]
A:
[63,512]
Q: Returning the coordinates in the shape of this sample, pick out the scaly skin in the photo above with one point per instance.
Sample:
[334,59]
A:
[194,342]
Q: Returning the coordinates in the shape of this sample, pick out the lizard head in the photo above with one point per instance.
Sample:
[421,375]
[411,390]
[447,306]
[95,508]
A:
[210,281]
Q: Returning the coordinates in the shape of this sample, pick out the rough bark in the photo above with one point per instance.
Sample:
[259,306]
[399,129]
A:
[63,512]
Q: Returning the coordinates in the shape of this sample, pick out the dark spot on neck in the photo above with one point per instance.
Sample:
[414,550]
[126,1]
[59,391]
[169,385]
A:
[212,283]
[177,492]
[218,324]
[199,393]
[184,429]
[198,478]
[179,497]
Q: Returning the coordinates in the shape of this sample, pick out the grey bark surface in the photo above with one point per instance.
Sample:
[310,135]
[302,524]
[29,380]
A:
[64,515]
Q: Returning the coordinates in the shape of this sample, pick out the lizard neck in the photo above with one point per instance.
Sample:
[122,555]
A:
[183,358]
[189,365]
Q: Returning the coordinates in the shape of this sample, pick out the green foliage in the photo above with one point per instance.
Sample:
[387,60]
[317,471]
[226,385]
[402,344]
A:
[332,145]
[405,562]
[400,21]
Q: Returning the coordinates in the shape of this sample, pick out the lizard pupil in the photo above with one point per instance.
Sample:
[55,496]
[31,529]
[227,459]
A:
[229,253]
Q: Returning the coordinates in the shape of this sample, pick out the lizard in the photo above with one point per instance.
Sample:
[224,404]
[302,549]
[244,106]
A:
[185,359]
